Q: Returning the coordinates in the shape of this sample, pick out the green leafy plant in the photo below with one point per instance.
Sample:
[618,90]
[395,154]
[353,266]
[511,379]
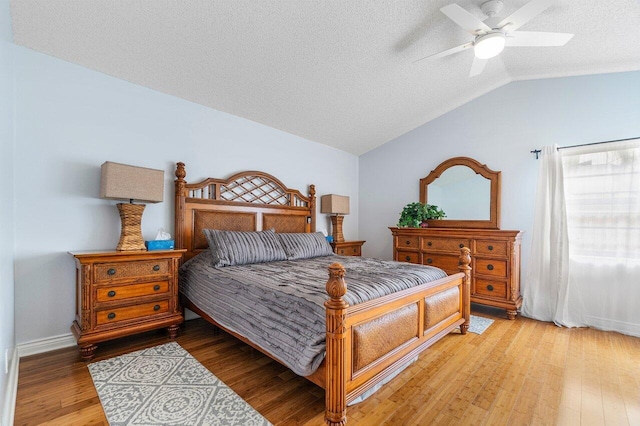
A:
[413,214]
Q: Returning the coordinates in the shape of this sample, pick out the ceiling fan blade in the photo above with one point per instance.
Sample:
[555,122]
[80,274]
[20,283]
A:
[537,38]
[466,20]
[524,14]
[447,52]
[477,66]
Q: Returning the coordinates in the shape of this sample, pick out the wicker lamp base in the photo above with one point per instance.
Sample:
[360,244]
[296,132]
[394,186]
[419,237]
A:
[336,222]
[131,232]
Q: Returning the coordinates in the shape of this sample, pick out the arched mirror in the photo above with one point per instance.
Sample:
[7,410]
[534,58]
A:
[467,191]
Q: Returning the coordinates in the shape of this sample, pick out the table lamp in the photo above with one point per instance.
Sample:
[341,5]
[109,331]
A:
[337,206]
[124,182]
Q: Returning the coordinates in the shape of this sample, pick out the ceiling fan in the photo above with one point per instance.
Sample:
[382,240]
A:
[492,35]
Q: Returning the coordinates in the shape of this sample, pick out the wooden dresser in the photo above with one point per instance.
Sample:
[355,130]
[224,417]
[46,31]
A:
[348,248]
[119,293]
[495,254]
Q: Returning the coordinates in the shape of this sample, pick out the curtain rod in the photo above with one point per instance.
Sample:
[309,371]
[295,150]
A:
[538,151]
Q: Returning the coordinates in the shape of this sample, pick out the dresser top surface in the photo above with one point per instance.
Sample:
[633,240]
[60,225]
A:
[476,233]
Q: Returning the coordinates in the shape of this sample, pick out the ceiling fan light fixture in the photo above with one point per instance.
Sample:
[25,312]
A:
[489,45]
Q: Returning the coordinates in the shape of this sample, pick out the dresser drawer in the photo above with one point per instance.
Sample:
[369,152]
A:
[497,268]
[448,263]
[489,247]
[444,244]
[496,289]
[408,242]
[408,256]
[111,293]
[145,310]
[105,272]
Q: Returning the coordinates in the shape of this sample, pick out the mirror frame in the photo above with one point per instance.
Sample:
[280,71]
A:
[481,169]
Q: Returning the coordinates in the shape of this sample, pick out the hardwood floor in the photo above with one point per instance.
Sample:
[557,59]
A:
[520,372]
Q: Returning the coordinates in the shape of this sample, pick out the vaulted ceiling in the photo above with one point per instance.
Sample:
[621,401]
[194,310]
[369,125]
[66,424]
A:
[341,73]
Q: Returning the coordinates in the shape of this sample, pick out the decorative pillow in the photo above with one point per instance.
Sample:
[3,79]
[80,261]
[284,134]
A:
[303,246]
[230,248]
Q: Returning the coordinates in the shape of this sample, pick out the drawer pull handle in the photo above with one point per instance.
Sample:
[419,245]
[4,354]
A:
[156,268]
[429,243]
[111,271]
[156,287]
[490,267]
[355,250]
[429,260]
[407,258]
[461,245]
[111,315]
[490,247]
[111,293]
[408,242]
[156,308]
[341,251]
[490,287]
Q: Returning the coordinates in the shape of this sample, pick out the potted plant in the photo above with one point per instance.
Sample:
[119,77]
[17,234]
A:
[415,215]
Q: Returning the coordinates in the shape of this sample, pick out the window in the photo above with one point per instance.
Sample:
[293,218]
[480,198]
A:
[602,191]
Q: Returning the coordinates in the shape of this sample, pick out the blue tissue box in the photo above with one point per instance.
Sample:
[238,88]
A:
[159,245]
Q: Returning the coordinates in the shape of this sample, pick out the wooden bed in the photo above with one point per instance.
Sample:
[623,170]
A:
[366,342]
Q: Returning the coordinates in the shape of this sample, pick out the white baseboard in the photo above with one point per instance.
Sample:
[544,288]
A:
[45,345]
[608,324]
[26,349]
[9,406]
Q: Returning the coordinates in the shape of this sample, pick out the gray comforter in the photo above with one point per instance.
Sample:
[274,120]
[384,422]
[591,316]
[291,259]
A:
[280,305]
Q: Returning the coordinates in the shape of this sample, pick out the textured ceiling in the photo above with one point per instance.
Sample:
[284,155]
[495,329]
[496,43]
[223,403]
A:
[335,72]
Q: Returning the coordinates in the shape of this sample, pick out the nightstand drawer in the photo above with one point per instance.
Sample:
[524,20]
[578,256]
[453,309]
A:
[110,316]
[348,248]
[349,251]
[489,247]
[444,244]
[111,293]
[106,272]
[493,267]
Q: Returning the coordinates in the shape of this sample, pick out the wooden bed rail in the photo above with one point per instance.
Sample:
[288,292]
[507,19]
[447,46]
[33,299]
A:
[337,365]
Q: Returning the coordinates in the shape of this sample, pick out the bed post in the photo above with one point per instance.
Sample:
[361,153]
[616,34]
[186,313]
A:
[180,207]
[312,206]
[463,266]
[335,389]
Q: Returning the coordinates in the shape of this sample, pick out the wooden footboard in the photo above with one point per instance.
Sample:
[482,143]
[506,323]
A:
[369,341]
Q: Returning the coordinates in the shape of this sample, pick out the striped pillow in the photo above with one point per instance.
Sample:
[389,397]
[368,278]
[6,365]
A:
[304,246]
[230,248]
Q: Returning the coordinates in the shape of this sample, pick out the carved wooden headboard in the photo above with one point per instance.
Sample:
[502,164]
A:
[247,201]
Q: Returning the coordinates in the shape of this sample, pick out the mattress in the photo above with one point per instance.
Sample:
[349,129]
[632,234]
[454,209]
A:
[279,306]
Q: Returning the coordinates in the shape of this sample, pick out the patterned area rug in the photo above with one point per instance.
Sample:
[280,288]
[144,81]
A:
[479,324]
[165,385]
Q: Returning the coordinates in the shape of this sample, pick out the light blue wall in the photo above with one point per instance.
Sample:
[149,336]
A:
[69,120]
[498,129]
[7,334]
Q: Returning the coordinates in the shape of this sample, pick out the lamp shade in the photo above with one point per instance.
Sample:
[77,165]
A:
[124,182]
[334,204]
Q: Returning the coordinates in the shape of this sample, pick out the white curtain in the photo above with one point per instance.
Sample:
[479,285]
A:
[584,268]
[547,289]
[602,189]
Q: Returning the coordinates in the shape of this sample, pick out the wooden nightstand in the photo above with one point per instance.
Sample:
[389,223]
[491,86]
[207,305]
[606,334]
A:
[119,293]
[348,248]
